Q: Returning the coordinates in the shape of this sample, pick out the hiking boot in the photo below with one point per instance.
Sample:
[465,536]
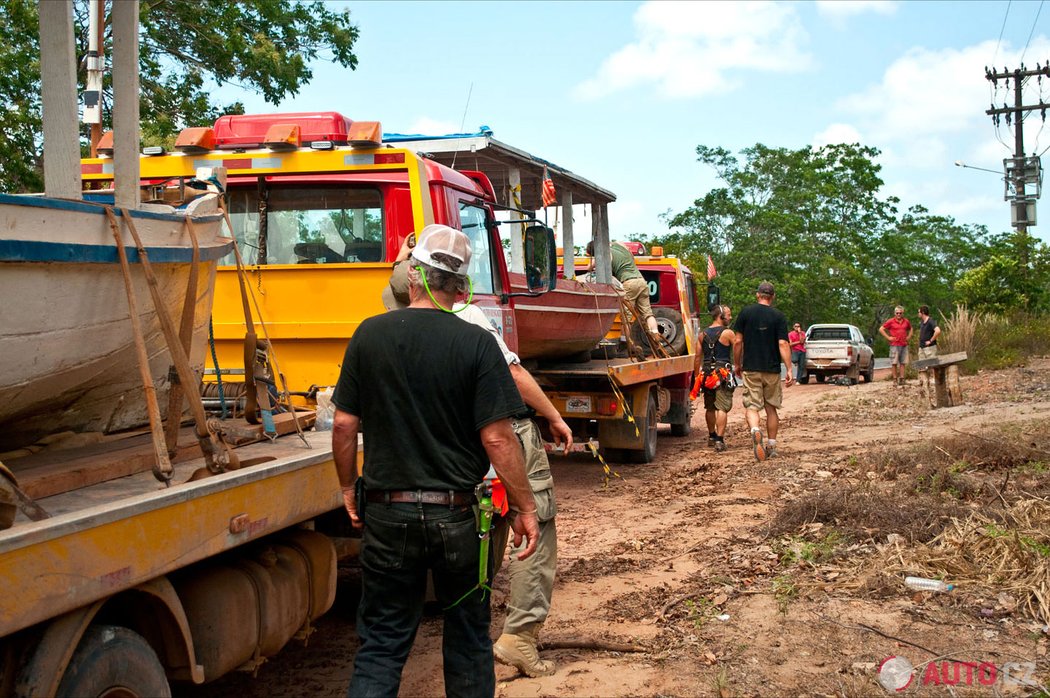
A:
[771,451]
[712,439]
[519,651]
[757,443]
[720,445]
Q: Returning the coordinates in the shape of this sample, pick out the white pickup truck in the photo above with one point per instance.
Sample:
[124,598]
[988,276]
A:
[838,349]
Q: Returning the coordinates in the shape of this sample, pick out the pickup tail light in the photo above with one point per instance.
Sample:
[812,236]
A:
[849,351]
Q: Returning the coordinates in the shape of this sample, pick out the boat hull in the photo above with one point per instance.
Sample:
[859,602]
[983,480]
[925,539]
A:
[67,352]
[568,320]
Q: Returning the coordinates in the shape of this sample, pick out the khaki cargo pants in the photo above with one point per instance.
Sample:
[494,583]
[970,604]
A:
[532,579]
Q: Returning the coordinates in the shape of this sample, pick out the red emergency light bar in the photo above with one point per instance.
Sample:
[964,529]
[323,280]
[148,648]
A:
[242,131]
[636,248]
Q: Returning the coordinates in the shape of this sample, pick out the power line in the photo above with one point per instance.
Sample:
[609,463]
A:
[1001,30]
[1031,32]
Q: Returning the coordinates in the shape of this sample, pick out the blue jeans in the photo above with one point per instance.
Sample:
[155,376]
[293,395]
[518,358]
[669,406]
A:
[400,543]
[799,359]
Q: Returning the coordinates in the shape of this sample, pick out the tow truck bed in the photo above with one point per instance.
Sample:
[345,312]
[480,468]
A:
[111,536]
[625,371]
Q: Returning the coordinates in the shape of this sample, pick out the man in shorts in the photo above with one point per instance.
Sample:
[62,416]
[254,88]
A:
[898,331]
[760,345]
[716,352]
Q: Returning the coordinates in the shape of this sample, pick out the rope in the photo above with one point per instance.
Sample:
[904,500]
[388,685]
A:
[215,362]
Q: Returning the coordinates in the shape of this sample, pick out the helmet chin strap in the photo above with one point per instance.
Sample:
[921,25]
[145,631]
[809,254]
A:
[470,296]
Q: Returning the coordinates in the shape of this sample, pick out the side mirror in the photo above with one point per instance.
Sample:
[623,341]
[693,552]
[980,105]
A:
[541,259]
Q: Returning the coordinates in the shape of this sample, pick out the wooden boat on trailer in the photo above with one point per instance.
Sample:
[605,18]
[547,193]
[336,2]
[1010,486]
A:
[567,321]
[67,348]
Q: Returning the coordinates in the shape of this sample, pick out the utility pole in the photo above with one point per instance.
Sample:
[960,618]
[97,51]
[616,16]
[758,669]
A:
[1023,175]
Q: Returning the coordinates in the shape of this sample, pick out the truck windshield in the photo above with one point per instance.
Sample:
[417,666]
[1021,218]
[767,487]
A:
[307,224]
[821,333]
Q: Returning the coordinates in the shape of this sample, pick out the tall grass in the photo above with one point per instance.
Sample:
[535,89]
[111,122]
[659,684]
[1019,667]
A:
[995,341]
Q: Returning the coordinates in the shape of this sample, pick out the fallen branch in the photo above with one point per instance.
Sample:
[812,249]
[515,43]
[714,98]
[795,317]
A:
[862,626]
[591,643]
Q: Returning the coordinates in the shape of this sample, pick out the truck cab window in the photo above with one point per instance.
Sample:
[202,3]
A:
[308,224]
[473,222]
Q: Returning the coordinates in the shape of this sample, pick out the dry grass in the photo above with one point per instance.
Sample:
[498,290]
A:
[1008,553]
[959,330]
[864,512]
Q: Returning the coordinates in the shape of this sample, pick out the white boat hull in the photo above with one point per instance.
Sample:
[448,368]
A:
[67,353]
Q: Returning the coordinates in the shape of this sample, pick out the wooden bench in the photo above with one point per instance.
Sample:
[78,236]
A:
[939,379]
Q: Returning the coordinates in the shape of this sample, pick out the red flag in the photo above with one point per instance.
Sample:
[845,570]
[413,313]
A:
[711,273]
[547,192]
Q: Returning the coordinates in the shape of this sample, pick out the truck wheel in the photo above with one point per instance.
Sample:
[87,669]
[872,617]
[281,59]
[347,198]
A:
[681,429]
[114,662]
[647,452]
[869,375]
[853,375]
[820,377]
[669,321]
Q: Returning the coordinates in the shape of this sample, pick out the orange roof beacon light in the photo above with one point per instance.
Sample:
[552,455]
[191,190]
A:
[282,137]
[656,251]
[365,134]
[195,141]
[105,145]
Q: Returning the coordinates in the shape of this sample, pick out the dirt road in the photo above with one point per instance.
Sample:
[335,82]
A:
[732,577]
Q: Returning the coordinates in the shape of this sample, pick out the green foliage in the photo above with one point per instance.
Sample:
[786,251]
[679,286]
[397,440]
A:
[1008,340]
[812,221]
[1016,275]
[185,47]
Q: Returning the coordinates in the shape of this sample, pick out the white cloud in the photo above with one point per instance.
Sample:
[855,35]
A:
[432,127]
[838,9]
[687,49]
[837,133]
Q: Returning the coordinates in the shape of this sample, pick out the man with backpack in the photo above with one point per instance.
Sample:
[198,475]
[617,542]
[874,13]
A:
[715,374]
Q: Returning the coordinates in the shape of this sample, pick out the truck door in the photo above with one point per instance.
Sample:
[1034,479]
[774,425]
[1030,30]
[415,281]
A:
[486,263]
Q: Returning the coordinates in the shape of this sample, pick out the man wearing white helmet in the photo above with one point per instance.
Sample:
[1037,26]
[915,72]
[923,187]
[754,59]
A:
[435,397]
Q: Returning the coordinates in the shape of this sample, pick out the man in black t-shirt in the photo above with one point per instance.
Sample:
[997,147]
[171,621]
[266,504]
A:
[759,347]
[435,396]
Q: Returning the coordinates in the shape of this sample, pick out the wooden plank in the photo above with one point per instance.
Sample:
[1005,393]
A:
[53,472]
[517,243]
[943,360]
[602,253]
[954,388]
[239,432]
[58,94]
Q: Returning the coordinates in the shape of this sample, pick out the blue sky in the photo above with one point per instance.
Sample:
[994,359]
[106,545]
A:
[623,92]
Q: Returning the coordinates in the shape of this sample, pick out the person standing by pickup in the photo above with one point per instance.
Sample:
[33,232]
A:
[898,331]
[760,345]
[635,288]
[797,340]
[928,333]
[437,411]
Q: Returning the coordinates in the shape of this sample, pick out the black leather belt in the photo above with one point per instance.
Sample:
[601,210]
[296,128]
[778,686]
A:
[452,499]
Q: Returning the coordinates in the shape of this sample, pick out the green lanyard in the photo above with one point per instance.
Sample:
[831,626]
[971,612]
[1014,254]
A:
[484,535]
[470,285]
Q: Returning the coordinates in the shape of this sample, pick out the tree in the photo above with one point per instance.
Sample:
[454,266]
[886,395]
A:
[1014,276]
[263,45]
[812,221]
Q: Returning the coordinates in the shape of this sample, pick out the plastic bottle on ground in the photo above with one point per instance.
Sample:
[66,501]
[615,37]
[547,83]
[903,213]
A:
[923,584]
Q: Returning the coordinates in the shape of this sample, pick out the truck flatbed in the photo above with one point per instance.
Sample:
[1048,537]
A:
[625,371]
[104,537]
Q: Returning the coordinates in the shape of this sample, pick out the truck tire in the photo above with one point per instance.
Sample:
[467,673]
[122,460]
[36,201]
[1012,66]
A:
[820,377]
[853,374]
[672,331]
[681,429]
[869,375]
[115,662]
[647,452]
